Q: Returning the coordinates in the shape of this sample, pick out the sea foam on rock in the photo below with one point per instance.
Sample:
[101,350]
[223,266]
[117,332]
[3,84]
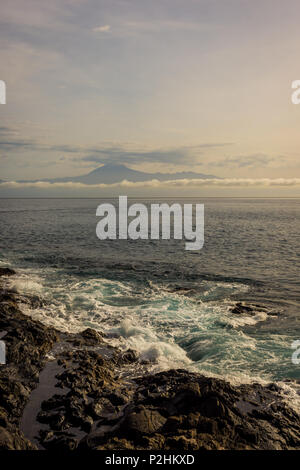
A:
[91,400]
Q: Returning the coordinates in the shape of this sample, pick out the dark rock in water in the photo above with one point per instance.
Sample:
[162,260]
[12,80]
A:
[87,424]
[91,337]
[129,356]
[252,309]
[7,272]
[240,308]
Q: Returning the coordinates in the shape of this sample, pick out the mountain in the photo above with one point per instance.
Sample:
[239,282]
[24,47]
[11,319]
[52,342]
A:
[113,173]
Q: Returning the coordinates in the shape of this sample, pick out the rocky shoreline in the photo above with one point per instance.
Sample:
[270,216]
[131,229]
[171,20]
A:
[62,391]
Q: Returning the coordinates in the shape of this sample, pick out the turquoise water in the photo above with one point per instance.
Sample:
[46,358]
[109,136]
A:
[172,305]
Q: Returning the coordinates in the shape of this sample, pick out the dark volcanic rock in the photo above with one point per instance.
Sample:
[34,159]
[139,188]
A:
[12,439]
[241,308]
[143,421]
[7,272]
[27,343]
[91,337]
[59,442]
[215,419]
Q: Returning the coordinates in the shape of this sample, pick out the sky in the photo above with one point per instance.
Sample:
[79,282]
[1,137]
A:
[160,85]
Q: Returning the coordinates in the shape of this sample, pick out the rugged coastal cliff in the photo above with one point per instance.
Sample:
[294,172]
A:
[62,391]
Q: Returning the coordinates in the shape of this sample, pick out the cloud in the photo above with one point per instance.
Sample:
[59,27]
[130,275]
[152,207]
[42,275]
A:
[4,130]
[246,161]
[40,15]
[102,29]
[16,144]
[132,154]
[120,155]
[190,183]
[125,153]
[158,25]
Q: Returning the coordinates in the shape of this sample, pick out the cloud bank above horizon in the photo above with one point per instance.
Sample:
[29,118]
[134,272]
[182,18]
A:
[161,86]
[199,188]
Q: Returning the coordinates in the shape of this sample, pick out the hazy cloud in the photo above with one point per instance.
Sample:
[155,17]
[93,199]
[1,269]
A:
[102,29]
[111,152]
[128,154]
[191,183]
[246,161]
[16,144]
[7,131]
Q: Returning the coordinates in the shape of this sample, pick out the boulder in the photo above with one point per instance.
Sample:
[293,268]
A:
[143,421]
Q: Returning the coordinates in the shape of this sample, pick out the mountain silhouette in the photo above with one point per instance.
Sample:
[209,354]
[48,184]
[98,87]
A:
[115,173]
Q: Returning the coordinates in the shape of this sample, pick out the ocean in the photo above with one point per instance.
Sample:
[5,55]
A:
[169,304]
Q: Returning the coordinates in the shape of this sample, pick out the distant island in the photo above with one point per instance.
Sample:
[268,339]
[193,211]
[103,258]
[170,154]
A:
[115,173]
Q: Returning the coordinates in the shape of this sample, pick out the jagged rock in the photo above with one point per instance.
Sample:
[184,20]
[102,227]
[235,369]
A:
[212,407]
[7,272]
[129,356]
[91,337]
[63,442]
[143,421]
[117,398]
[101,408]
[182,442]
[13,439]
[241,308]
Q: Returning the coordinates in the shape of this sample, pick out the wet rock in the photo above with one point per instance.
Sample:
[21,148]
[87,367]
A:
[173,423]
[7,272]
[117,398]
[181,442]
[143,421]
[57,422]
[156,442]
[13,439]
[207,426]
[101,408]
[240,309]
[87,424]
[3,418]
[53,403]
[212,407]
[117,444]
[63,442]
[46,435]
[91,337]
[128,357]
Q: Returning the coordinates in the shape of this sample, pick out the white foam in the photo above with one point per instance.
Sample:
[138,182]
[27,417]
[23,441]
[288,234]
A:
[25,286]
[291,394]
[245,319]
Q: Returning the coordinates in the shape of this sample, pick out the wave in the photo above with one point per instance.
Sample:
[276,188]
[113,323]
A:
[171,324]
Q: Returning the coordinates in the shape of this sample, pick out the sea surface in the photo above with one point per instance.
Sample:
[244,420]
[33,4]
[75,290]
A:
[171,305]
